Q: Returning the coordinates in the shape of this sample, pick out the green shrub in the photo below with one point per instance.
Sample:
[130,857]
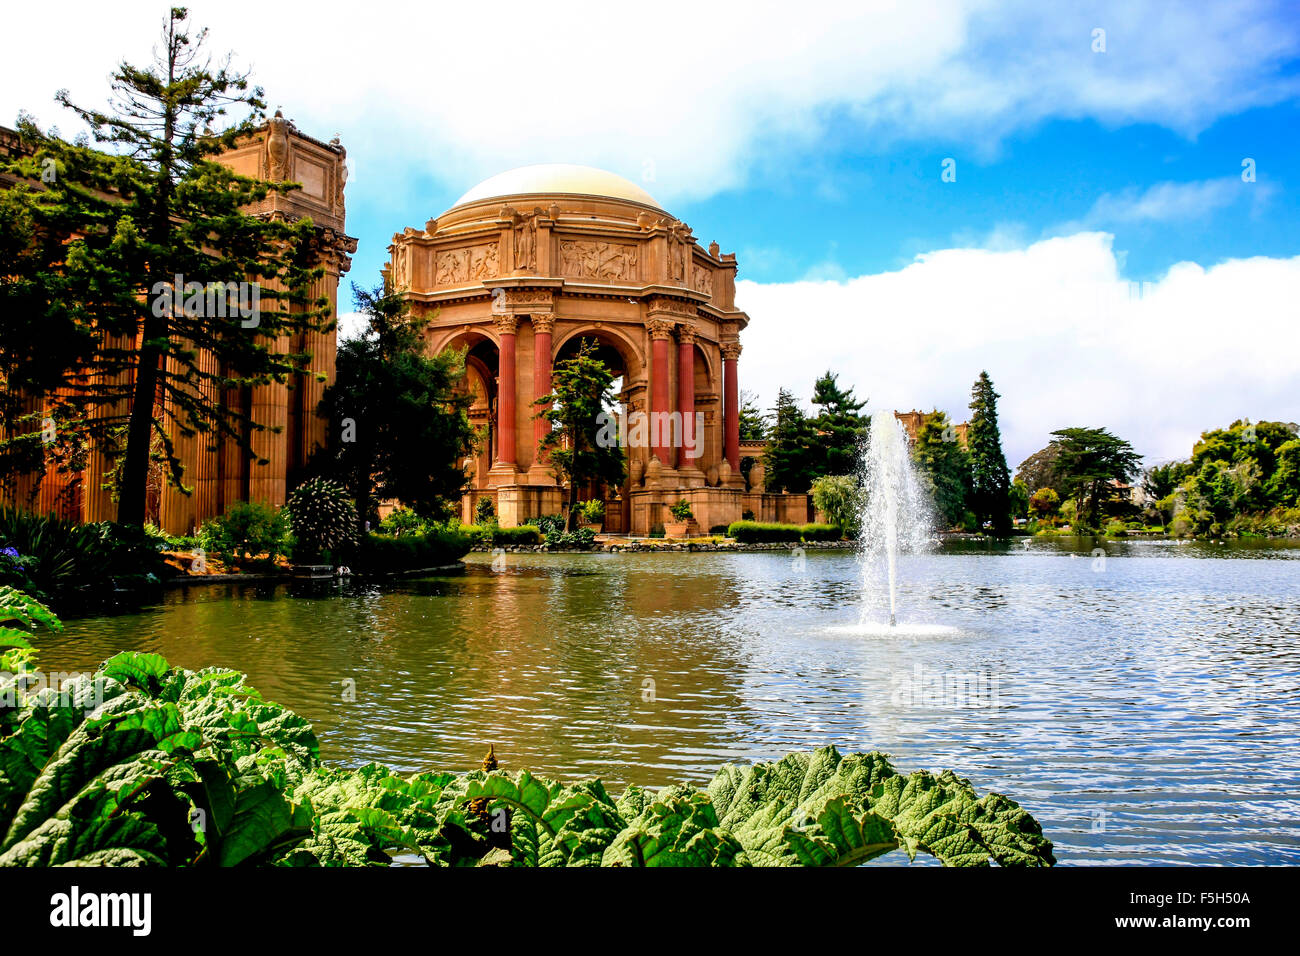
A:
[386,554]
[821,532]
[323,518]
[484,509]
[70,565]
[754,532]
[747,515]
[718,529]
[592,511]
[656,531]
[523,534]
[578,538]
[403,521]
[682,510]
[247,530]
[547,523]
[477,534]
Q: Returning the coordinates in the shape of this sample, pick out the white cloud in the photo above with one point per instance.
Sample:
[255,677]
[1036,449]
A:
[1170,202]
[1066,339]
[697,96]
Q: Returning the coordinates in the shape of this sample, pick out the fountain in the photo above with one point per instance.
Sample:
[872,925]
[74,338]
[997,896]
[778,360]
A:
[895,512]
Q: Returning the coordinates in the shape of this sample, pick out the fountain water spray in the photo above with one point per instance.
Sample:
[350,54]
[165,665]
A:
[895,515]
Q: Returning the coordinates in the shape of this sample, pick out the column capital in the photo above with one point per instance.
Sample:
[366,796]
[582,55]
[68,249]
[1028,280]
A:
[686,333]
[660,328]
[544,322]
[730,350]
[506,323]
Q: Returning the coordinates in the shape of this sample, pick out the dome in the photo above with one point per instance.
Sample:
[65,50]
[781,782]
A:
[558,178]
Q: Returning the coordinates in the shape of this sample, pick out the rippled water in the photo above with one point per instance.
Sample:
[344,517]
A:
[1143,706]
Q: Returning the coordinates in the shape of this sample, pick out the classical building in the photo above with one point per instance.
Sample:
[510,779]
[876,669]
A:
[529,263]
[223,473]
[913,420]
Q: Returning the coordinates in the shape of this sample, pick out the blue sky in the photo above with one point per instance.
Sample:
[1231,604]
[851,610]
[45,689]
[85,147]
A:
[811,140]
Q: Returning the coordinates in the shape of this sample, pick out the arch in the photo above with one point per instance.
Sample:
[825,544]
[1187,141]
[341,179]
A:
[629,351]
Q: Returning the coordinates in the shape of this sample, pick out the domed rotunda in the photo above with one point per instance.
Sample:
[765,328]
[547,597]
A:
[526,265]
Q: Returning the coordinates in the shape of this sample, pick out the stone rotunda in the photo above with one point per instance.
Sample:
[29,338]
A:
[529,263]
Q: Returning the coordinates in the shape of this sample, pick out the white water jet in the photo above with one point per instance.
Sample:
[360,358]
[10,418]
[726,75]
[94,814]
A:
[895,513]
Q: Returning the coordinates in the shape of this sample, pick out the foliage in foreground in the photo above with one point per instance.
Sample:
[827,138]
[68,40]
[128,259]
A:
[145,764]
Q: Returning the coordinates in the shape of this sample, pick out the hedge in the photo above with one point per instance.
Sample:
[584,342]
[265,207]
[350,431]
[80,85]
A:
[382,554]
[494,536]
[753,532]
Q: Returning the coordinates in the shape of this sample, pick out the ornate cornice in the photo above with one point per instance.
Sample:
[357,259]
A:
[663,303]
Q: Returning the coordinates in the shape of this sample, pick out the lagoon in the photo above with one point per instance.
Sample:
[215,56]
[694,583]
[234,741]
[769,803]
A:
[1141,702]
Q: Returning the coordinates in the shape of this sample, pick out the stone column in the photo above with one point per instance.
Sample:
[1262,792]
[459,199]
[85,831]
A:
[661,332]
[731,385]
[506,326]
[686,394]
[543,326]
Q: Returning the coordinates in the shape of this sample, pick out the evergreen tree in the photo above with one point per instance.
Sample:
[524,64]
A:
[580,393]
[791,451]
[1088,460]
[990,483]
[840,426]
[157,208]
[399,426]
[946,467]
[753,420]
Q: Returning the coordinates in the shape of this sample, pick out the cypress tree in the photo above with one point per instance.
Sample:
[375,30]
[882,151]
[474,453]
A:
[990,483]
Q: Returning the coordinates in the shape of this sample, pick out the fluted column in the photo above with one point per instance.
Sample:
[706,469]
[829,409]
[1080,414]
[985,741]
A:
[686,392]
[731,386]
[507,326]
[661,333]
[543,326]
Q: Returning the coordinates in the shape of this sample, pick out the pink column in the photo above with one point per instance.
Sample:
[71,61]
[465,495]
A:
[543,324]
[506,327]
[731,385]
[686,392]
[660,333]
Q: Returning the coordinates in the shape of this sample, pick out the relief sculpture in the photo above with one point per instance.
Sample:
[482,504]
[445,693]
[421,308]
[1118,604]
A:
[463,265]
[597,259]
[702,280]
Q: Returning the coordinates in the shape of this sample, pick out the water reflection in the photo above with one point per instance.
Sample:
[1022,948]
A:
[1145,710]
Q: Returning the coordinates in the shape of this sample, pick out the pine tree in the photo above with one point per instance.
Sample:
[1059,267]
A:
[753,421]
[580,393]
[155,209]
[791,451]
[990,483]
[946,467]
[398,418]
[840,426]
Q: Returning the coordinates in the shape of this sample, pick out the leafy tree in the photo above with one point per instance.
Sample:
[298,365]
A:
[1038,470]
[399,426]
[1044,503]
[1088,460]
[840,498]
[1159,482]
[840,427]
[753,420]
[791,450]
[990,483]
[155,209]
[1284,485]
[946,467]
[1019,499]
[580,392]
